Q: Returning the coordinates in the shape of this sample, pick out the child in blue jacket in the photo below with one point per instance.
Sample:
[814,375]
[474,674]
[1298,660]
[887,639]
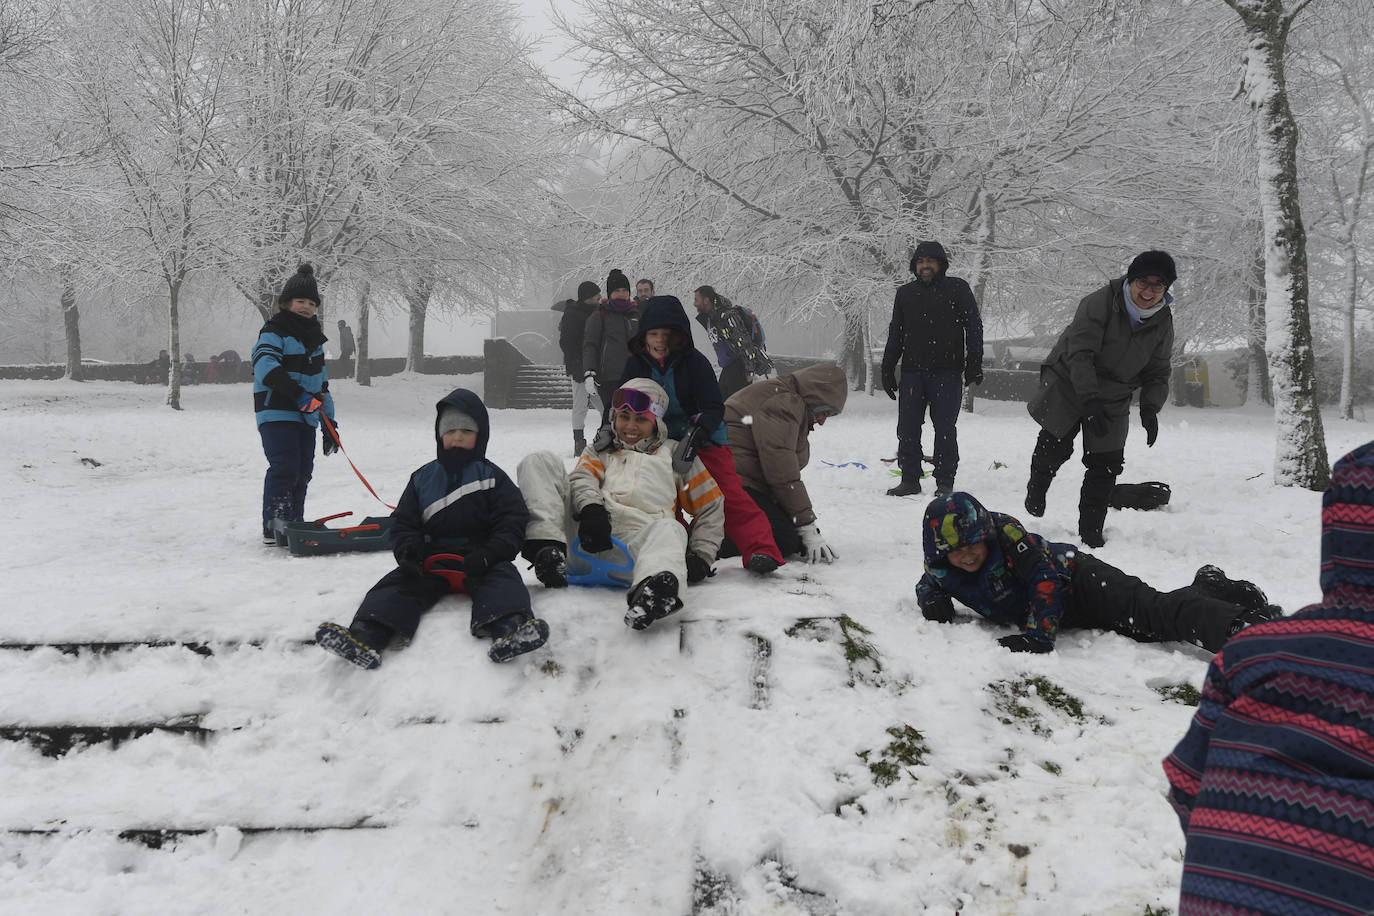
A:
[460,503]
[290,389]
[1007,574]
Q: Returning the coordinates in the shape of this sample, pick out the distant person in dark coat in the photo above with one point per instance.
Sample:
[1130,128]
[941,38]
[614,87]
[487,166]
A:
[991,564]
[460,503]
[1120,341]
[936,336]
[347,347]
[606,346]
[1274,781]
[572,333]
[739,350]
[224,367]
[644,291]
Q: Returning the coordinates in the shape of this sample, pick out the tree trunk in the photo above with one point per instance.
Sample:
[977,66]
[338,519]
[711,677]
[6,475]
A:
[984,230]
[1352,280]
[417,297]
[174,345]
[71,324]
[1300,442]
[1257,363]
[363,374]
[853,343]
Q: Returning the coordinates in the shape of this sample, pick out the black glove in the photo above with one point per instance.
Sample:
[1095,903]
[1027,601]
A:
[603,439]
[1022,642]
[698,568]
[410,561]
[686,451]
[889,375]
[476,562]
[1150,421]
[594,528]
[1095,418]
[973,371]
[331,438]
[941,610]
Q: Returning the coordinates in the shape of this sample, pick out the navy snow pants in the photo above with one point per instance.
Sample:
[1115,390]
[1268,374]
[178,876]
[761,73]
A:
[398,600]
[942,391]
[290,451]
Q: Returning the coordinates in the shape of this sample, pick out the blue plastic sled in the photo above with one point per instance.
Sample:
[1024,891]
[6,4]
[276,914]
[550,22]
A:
[610,569]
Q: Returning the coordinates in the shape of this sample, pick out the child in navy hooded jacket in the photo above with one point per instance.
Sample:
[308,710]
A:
[460,503]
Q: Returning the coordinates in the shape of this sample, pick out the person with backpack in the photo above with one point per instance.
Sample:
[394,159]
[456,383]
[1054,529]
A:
[572,334]
[936,333]
[606,343]
[737,338]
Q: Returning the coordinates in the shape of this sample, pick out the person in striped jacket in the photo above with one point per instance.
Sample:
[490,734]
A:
[290,390]
[1274,780]
[631,491]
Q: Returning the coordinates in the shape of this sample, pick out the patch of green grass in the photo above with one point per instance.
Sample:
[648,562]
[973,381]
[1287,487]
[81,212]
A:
[1186,694]
[1049,766]
[848,803]
[860,655]
[1157,911]
[907,749]
[551,668]
[1010,703]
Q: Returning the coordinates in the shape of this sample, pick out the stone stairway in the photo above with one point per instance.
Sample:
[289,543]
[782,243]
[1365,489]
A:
[541,386]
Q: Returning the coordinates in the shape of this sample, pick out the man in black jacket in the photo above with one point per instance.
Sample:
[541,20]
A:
[572,329]
[936,333]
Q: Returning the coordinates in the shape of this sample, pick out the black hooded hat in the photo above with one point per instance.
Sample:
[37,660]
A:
[930,249]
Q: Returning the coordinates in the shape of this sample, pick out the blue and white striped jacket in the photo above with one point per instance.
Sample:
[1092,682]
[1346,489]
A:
[288,360]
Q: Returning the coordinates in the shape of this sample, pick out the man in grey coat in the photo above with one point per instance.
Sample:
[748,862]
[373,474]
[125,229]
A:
[1120,341]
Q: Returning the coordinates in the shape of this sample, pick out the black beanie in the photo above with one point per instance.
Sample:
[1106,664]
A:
[930,250]
[617,280]
[1153,264]
[301,285]
[587,288]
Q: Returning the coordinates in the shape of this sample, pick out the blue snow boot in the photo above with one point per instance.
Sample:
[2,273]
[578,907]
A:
[347,645]
[528,636]
[652,599]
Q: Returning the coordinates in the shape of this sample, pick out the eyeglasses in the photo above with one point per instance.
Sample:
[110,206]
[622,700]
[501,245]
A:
[636,401]
[1158,286]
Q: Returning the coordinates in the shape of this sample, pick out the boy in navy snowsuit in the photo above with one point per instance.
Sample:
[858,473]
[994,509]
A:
[1007,574]
[460,503]
[290,389]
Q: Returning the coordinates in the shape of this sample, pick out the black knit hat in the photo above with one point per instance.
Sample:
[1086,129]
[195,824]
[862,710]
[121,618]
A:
[930,249]
[301,285]
[1153,264]
[616,280]
[587,288]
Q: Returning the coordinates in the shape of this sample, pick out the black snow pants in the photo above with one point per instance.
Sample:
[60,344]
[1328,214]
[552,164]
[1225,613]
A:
[1106,598]
[398,600]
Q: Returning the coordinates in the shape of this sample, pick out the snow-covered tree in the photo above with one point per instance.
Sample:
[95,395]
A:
[1300,446]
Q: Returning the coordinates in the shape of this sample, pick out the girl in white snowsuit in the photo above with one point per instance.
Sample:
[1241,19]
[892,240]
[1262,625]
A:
[630,491]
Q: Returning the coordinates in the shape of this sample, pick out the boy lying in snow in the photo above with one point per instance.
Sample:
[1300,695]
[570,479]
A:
[460,503]
[1009,575]
[631,491]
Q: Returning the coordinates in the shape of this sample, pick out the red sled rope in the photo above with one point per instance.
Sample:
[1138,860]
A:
[333,434]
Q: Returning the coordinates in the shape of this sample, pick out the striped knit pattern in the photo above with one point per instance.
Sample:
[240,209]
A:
[1274,781]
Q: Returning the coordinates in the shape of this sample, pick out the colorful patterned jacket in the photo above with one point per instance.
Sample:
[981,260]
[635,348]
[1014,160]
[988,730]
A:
[1274,781]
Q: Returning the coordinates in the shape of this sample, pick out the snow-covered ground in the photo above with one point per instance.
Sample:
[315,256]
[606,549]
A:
[728,761]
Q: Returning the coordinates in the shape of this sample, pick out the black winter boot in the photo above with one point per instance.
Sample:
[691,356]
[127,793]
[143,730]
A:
[654,598]
[360,644]
[1214,583]
[579,443]
[943,488]
[528,636]
[1036,489]
[910,486]
[1092,505]
[550,562]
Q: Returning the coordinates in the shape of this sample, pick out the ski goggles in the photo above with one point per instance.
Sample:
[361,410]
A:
[636,401]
